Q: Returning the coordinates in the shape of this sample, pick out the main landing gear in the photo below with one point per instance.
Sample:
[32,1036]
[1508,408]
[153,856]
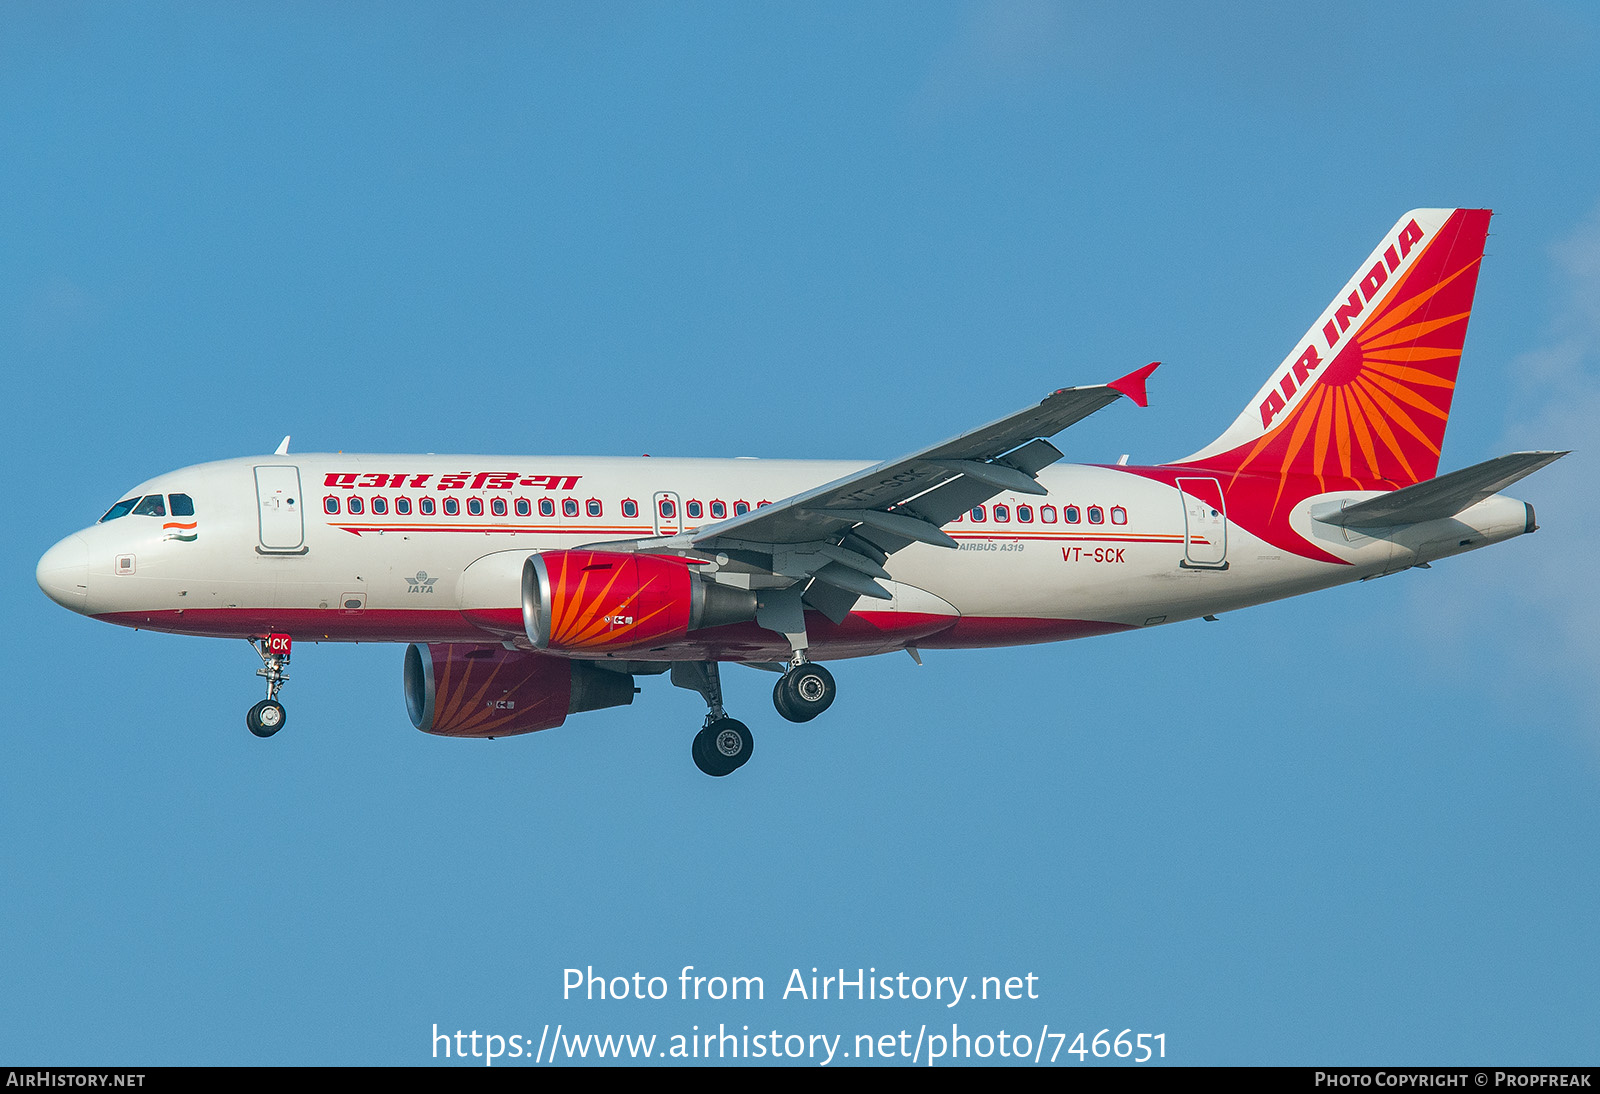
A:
[268,716]
[804,691]
[724,744]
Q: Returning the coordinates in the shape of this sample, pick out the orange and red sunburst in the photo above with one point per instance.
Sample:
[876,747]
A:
[1375,416]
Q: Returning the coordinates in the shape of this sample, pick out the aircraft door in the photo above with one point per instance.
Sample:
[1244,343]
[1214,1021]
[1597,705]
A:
[280,506]
[666,512]
[1205,524]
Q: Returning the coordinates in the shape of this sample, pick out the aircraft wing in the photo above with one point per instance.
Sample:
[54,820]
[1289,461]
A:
[1003,455]
[838,535]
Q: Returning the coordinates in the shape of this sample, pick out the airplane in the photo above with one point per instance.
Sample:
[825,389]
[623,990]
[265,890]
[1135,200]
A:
[530,589]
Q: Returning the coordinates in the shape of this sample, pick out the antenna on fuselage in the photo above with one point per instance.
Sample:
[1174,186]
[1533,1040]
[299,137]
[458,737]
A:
[283,448]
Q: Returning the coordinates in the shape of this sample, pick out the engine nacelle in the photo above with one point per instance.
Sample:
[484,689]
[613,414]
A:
[489,691]
[605,601]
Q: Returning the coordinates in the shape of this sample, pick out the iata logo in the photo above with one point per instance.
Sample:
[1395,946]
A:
[619,620]
[422,583]
[501,704]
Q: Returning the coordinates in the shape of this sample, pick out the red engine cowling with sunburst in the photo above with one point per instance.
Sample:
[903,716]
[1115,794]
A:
[604,601]
[488,691]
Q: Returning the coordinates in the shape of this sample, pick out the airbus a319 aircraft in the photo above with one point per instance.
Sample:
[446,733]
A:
[534,588]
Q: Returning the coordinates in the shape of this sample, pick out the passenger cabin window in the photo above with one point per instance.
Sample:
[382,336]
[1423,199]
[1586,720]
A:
[426,505]
[524,507]
[569,507]
[719,510]
[1047,513]
[355,505]
[330,506]
[380,506]
[740,508]
[547,507]
[979,515]
[121,509]
[1097,515]
[630,508]
[1025,514]
[1119,515]
[475,506]
[452,507]
[694,508]
[183,506]
[1072,514]
[153,506]
[402,506]
[593,507]
[498,507]
[1002,513]
[668,510]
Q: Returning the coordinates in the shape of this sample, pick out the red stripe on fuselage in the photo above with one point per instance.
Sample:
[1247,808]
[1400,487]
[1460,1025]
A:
[861,634]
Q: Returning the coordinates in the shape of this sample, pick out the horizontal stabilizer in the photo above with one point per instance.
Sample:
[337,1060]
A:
[1437,498]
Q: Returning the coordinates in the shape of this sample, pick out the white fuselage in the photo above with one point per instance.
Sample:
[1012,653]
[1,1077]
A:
[337,547]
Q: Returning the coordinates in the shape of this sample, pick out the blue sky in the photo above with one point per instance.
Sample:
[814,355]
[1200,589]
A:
[1351,827]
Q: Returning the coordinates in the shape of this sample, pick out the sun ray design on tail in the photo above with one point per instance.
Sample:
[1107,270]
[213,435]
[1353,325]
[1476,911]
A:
[1362,401]
[1374,416]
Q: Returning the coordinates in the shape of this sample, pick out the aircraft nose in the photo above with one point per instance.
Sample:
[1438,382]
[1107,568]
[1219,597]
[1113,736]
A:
[63,573]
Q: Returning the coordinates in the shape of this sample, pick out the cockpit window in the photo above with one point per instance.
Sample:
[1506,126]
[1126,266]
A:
[121,509]
[182,505]
[152,506]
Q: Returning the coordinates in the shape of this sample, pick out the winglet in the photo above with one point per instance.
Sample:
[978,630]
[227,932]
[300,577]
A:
[1132,385]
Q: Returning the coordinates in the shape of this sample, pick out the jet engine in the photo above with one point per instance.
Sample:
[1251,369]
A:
[489,691]
[605,601]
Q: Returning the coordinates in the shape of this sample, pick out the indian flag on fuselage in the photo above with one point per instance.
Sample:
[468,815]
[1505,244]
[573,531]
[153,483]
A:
[183,532]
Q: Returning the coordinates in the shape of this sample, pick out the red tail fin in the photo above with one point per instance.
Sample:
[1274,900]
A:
[1363,401]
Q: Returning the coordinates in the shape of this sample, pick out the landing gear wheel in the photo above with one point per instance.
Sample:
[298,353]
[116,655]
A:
[804,692]
[266,718]
[780,699]
[722,747]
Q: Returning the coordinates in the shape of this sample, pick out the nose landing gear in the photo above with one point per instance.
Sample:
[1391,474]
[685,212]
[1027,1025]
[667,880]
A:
[268,716]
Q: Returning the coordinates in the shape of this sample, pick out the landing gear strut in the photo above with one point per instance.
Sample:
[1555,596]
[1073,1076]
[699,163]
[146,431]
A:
[268,716]
[723,744]
[803,692]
